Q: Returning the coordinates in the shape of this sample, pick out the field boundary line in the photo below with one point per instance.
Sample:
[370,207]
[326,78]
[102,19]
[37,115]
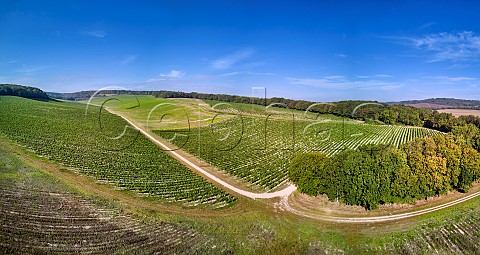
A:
[281,193]
[285,193]
[375,219]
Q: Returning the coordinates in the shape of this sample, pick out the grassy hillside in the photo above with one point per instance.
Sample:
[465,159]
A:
[159,113]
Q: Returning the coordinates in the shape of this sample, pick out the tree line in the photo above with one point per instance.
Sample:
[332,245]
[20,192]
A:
[369,111]
[380,174]
[446,102]
[22,91]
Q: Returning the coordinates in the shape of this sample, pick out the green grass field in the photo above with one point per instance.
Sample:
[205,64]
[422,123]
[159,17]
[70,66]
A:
[159,113]
[275,110]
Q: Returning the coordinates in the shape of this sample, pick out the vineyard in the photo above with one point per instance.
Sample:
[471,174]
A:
[40,215]
[99,144]
[258,150]
[275,109]
[458,233]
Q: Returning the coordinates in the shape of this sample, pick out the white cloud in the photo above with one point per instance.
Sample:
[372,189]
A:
[335,77]
[383,76]
[257,73]
[340,55]
[155,79]
[93,33]
[30,69]
[128,59]
[231,59]
[458,81]
[319,83]
[230,74]
[459,47]
[454,79]
[172,75]
[247,73]
[427,25]
[345,83]
[373,76]
[25,80]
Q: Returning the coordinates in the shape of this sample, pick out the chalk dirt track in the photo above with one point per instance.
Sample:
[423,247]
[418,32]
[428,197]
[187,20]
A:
[285,193]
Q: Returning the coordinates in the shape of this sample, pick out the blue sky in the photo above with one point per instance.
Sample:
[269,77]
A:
[313,50]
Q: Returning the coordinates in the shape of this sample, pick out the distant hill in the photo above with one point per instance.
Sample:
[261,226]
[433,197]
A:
[85,95]
[430,106]
[22,91]
[442,103]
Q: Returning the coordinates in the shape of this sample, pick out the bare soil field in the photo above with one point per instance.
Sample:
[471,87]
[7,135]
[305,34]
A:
[461,112]
[39,214]
[427,105]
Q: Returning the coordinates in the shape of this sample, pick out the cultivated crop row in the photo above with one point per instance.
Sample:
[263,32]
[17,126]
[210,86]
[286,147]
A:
[258,150]
[460,234]
[102,146]
[50,222]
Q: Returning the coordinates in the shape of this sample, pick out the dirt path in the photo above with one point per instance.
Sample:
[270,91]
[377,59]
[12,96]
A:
[285,193]
[281,193]
[286,205]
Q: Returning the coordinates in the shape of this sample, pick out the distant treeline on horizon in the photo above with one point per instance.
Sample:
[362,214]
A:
[444,103]
[370,111]
[83,95]
[22,91]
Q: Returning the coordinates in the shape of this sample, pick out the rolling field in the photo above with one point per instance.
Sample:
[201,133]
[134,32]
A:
[454,232]
[159,113]
[38,214]
[274,110]
[461,112]
[100,145]
[252,142]
[258,150]
[41,215]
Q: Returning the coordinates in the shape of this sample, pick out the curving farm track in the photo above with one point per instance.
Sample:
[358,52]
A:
[285,193]
[285,204]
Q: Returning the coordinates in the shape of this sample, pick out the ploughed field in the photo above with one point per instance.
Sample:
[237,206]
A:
[458,233]
[41,215]
[461,112]
[99,144]
[259,149]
